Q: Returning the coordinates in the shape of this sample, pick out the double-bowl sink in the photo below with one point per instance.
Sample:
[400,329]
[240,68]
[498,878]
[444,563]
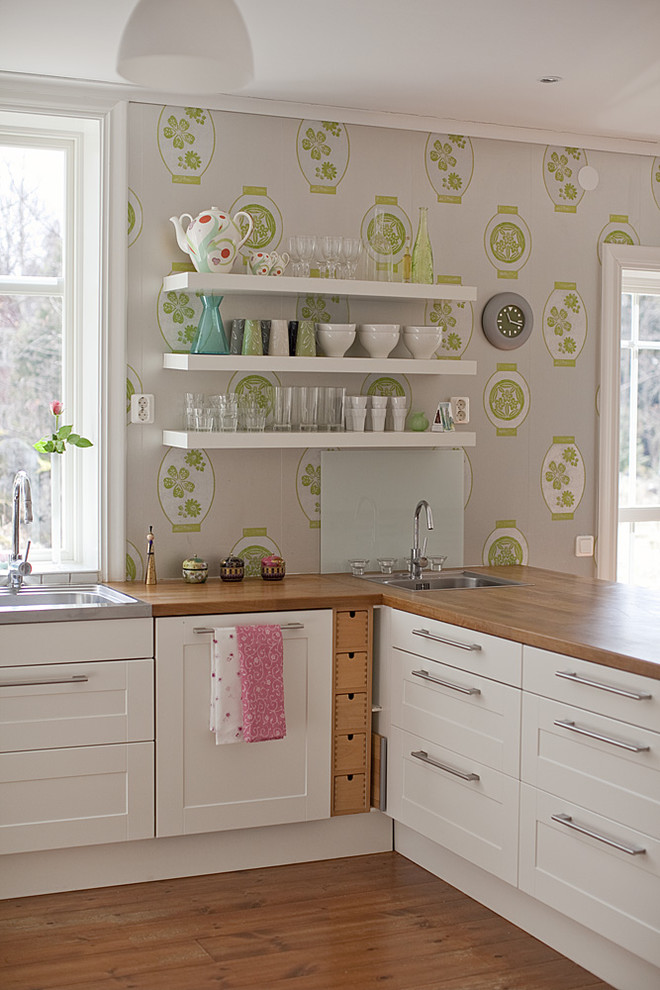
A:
[68,602]
[439,581]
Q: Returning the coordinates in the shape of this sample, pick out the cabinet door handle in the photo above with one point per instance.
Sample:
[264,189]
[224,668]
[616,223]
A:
[607,839]
[633,747]
[285,627]
[75,679]
[425,758]
[425,634]
[425,676]
[571,676]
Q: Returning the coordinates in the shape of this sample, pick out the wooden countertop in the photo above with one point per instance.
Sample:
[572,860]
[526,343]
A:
[605,622]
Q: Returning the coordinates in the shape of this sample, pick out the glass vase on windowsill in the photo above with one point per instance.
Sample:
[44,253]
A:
[56,445]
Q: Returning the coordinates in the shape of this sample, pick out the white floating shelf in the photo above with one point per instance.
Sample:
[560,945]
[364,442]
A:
[345,365]
[253,441]
[226,285]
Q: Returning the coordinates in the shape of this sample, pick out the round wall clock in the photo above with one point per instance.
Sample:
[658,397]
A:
[507,320]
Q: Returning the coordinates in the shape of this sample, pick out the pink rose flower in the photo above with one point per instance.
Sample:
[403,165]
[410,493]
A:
[56,407]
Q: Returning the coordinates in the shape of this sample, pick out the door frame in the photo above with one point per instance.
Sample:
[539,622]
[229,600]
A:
[617,258]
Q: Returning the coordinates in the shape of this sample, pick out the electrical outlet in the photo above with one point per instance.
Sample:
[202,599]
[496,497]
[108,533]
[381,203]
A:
[460,409]
[142,408]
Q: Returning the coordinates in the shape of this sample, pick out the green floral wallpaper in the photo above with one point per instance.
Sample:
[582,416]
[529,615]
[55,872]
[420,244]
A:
[499,212]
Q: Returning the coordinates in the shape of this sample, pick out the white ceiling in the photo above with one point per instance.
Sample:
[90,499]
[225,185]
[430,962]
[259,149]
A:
[454,60]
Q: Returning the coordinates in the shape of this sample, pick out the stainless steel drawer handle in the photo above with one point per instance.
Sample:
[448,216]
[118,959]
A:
[607,839]
[424,757]
[632,747]
[425,676]
[75,679]
[425,634]
[635,695]
[286,627]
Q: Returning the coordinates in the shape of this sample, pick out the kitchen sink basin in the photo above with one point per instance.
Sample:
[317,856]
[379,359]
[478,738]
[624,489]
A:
[68,602]
[433,581]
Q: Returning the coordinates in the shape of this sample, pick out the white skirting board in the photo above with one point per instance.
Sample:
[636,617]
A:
[54,870]
[611,963]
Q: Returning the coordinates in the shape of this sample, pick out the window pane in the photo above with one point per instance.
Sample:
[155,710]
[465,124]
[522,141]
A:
[32,197]
[30,378]
[638,555]
[624,427]
[648,428]
[649,318]
[626,310]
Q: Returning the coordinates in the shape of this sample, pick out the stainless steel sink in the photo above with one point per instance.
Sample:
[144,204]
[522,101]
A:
[432,581]
[68,602]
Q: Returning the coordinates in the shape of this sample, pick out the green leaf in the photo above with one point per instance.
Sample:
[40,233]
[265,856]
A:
[73,438]
[84,442]
[59,446]
[63,432]
[44,446]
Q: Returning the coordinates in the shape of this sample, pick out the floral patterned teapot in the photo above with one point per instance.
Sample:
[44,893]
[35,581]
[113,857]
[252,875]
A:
[212,239]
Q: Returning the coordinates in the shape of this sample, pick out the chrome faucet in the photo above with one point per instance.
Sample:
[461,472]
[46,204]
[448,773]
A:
[18,567]
[417,553]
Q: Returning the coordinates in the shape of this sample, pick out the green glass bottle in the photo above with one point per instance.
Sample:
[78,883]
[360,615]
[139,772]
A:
[422,254]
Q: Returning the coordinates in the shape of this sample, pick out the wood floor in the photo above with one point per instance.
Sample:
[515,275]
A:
[366,922]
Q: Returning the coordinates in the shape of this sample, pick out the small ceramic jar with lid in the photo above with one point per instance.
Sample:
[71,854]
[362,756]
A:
[195,570]
[273,568]
[232,569]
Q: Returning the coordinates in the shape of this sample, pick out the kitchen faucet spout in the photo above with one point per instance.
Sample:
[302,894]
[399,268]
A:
[19,567]
[417,552]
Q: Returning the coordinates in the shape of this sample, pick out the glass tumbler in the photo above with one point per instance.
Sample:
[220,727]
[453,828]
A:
[252,412]
[308,408]
[282,398]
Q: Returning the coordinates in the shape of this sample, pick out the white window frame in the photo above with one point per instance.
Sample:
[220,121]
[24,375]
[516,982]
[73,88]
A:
[621,262]
[96,392]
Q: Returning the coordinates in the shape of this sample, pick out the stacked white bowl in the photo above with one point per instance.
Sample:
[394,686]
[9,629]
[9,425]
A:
[379,339]
[422,342]
[334,339]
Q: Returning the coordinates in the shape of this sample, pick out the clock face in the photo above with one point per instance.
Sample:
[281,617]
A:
[511,320]
[507,320]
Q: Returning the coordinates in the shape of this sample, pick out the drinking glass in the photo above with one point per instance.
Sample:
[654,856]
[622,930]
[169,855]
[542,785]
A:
[192,402]
[358,566]
[228,412]
[309,396]
[306,246]
[282,396]
[351,249]
[330,251]
[331,408]
[252,412]
[294,254]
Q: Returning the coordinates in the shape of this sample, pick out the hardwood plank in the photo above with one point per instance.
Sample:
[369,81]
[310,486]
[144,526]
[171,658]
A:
[356,923]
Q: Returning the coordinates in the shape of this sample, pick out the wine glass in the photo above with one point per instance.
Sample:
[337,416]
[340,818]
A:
[296,262]
[306,246]
[351,249]
[331,250]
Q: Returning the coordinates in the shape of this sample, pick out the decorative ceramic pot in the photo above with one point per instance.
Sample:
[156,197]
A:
[273,568]
[212,239]
[195,570]
[232,569]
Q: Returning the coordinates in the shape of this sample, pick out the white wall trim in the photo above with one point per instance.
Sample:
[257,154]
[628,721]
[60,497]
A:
[29,90]
[616,259]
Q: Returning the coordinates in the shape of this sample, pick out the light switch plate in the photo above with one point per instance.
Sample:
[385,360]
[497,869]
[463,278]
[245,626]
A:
[584,546]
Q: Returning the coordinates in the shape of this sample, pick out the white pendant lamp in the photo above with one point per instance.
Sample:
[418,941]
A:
[200,46]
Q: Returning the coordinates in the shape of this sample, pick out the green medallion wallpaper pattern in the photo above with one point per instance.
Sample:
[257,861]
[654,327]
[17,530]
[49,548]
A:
[499,212]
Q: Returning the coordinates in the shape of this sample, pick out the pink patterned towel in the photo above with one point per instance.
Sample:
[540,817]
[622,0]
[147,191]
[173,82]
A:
[261,658]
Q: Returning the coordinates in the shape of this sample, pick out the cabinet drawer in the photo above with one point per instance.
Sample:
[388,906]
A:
[351,630]
[616,775]
[351,672]
[476,818]
[616,693]
[72,642]
[496,658]
[471,715]
[349,794]
[51,799]
[351,712]
[350,752]
[613,892]
[83,704]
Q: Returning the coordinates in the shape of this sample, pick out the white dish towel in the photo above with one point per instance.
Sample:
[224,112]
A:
[226,703]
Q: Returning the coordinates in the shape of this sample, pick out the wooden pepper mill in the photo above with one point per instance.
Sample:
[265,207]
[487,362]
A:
[151,560]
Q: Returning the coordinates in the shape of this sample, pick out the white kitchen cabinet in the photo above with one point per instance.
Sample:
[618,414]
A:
[204,787]
[250,285]
[76,738]
[590,811]
[453,762]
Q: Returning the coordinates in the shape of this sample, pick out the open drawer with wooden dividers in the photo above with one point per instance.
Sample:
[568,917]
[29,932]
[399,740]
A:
[351,711]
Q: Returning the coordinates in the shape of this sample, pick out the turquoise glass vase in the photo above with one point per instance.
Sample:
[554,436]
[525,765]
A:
[210,337]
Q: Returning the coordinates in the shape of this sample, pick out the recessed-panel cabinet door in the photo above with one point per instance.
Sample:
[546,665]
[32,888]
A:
[205,787]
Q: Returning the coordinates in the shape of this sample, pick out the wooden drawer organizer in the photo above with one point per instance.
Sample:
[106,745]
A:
[351,711]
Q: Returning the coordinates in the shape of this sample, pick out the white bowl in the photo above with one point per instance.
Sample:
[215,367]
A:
[422,342]
[334,339]
[379,340]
